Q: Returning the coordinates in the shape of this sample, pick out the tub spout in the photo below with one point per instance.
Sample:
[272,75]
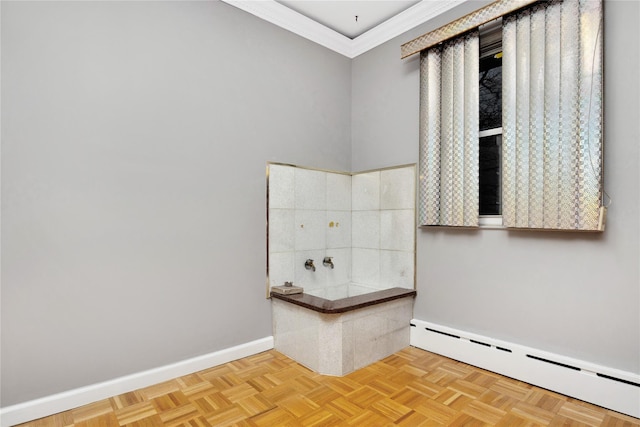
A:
[308,264]
[328,262]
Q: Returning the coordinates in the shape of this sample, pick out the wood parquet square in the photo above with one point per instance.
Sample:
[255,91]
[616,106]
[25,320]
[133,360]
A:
[410,388]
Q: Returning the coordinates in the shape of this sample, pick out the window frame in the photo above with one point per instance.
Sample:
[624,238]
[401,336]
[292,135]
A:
[490,45]
[487,220]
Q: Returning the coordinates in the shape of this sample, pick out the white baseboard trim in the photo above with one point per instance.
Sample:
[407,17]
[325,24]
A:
[600,385]
[64,401]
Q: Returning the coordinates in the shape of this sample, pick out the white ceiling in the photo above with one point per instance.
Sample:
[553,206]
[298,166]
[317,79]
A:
[332,23]
[349,18]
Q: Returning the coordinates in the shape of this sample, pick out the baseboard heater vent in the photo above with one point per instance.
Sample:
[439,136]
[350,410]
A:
[542,359]
[609,377]
[447,334]
[603,386]
[443,333]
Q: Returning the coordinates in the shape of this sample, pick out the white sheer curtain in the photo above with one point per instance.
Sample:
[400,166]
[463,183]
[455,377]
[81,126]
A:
[449,133]
[552,116]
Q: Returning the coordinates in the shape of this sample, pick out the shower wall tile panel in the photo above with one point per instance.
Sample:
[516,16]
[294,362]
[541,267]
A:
[397,188]
[365,229]
[310,230]
[338,230]
[397,269]
[397,230]
[338,192]
[365,267]
[281,188]
[281,268]
[306,278]
[341,273]
[310,189]
[359,220]
[366,191]
[281,230]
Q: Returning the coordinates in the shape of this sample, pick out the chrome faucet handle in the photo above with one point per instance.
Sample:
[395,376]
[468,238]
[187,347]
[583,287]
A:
[308,264]
[328,261]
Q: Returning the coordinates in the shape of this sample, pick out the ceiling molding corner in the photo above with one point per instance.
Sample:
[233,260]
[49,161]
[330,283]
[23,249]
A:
[288,19]
[401,23]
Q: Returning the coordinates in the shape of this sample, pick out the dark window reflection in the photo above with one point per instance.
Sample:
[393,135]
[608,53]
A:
[490,152]
[490,92]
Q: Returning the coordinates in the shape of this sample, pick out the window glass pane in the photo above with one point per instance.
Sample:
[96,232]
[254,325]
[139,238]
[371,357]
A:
[491,92]
[490,179]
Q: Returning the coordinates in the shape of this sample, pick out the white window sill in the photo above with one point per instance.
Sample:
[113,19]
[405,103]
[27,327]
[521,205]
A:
[491,222]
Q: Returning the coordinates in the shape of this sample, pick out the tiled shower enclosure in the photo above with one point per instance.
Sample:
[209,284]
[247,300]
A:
[364,221]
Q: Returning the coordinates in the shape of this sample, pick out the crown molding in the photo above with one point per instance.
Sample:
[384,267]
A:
[288,19]
[412,17]
[280,15]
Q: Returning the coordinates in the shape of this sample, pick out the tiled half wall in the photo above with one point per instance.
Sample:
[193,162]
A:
[364,221]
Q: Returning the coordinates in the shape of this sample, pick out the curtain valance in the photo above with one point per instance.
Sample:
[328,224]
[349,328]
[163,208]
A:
[459,26]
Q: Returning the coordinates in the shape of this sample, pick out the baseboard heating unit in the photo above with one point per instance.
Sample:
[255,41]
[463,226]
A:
[610,388]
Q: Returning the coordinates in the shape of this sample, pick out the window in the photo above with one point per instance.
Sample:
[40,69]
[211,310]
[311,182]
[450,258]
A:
[490,121]
[514,136]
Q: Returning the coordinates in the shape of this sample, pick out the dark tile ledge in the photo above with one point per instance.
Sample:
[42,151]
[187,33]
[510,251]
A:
[345,304]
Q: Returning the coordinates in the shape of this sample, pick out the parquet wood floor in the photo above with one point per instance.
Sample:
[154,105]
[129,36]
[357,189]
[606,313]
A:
[409,388]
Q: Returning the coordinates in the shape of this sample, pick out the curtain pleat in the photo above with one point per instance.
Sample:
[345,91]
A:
[429,209]
[552,78]
[449,133]
[471,191]
[552,116]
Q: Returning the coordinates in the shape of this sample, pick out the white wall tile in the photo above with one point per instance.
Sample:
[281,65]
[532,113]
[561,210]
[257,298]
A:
[330,345]
[281,268]
[355,290]
[341,273]
[281,230]
[310,230]
[306,278]
[329,292]
[338,229]
[338,344]
[366,330]
[397,188]
[365,229]
[397,230]
[348,347]
[365,191]
[354,241]
[397,269]
[365,266]
[281,186]
[296,332]
[310,189]
[382,332]
[338,192]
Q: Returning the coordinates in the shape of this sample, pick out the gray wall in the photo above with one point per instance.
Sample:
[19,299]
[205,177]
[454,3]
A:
[574,294]
[134,144]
